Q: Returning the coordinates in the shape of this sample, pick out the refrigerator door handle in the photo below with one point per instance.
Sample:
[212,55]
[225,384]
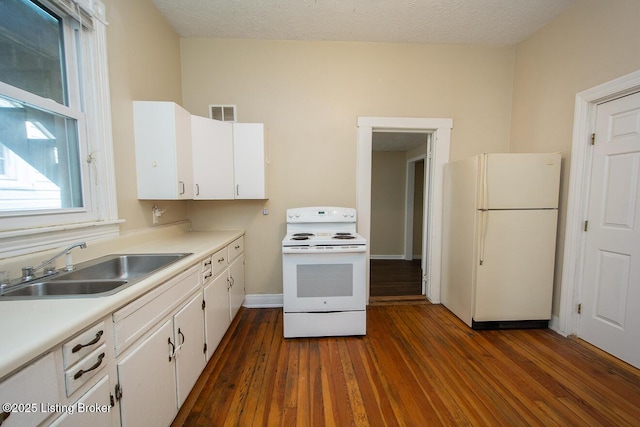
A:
[484,180]
[483,232]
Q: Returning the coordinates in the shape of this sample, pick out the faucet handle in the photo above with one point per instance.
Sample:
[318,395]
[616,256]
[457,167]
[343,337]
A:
[27,273]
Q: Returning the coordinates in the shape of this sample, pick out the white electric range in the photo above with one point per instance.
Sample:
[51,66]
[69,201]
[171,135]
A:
[324,273]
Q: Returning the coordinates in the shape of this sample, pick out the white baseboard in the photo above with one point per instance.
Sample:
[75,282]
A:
[399,257]
[386,256]
[263,301]
[554,325]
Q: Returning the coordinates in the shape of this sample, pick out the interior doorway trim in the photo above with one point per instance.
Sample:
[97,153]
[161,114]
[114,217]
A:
[441,129]
[580,173]
[410,192]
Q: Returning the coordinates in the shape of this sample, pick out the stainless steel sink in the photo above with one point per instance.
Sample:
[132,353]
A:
[121,267]
[99,277]
[63,288]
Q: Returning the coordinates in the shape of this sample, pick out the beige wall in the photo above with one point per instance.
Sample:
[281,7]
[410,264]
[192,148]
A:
[310,94]
[591,43]
[388,188]
[144,64]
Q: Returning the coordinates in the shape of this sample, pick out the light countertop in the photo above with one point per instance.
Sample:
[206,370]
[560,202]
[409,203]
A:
[34,326]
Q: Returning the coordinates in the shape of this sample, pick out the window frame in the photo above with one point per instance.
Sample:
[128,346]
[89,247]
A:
[89,104]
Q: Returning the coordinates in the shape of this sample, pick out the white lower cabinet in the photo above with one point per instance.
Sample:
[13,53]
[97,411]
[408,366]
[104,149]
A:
[236,290]
[136,366]
[92,409]
[147,380]
[26,390]
[216,312]
[188,326]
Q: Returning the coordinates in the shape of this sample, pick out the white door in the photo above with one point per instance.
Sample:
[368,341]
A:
[148,380]
[188,327]
[611,287]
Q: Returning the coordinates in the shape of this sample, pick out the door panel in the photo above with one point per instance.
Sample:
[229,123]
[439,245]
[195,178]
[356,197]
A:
[611,291]
[520,181]
[515,279]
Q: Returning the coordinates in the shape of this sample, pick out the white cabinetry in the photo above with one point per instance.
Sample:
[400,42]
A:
[71,382]
[163,150]
[32,385]
[223,291]
[250,161]
[147,379]
[188,326]
[158,365]
[212,144]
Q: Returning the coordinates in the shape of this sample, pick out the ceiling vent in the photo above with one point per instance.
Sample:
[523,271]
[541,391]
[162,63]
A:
[225,113]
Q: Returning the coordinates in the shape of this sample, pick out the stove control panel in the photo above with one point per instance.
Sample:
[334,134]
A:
[321,214]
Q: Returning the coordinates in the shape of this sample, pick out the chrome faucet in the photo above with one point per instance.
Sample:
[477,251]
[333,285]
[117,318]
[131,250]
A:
[29,273]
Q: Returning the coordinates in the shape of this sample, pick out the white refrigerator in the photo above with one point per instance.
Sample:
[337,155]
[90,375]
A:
[500,218]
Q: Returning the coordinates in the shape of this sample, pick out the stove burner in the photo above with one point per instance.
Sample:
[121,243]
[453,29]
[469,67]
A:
[303,235]
[300,238]
[344,236]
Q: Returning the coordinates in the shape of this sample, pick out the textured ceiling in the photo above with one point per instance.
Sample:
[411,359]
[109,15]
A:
[493,22]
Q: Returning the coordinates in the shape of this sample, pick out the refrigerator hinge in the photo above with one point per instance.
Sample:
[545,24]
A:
[580,308]
[586,225]
[593,139]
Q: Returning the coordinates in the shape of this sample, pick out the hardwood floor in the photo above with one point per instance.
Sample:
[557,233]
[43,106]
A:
[395,278]
[418,365]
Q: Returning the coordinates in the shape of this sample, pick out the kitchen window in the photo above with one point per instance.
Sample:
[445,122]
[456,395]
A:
[56,161]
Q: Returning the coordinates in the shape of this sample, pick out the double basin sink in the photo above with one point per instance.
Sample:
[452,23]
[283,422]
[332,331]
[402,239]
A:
[102,276]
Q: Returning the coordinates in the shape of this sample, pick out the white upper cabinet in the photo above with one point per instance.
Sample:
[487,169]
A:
[212,142]
[163,150]
[249,161]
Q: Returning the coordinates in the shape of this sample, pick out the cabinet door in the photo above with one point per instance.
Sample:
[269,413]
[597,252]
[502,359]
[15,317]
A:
[29,387]
[92,409]
[212,142]
[148,381]
[236,292]
[188,325]
[249,159]
[216,314]
[163,150]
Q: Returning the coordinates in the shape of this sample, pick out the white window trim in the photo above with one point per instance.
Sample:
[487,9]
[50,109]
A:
[25,238]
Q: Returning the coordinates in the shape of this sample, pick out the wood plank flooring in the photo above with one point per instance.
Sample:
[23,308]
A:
[418,365]
[395,278]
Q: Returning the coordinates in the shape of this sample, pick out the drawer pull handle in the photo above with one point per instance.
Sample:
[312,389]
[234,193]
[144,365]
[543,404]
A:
[237,247]
[207,263]
[221,259]
[206,276]
[79,347]
[173,350]
[94,367]
[182,335]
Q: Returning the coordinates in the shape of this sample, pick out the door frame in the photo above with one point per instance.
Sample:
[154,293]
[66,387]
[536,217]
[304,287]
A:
[441,130]
[579,179]
[409,202]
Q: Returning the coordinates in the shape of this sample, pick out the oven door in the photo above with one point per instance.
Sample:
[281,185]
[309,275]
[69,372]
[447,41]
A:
[323,282]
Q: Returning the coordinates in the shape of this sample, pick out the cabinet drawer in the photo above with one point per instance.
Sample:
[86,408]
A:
[83,344]
[219,261]
[83,371]
[236,248]
[205,269]
[135,319]
[31,385]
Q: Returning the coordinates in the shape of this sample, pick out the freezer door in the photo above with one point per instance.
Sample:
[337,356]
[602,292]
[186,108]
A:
[519,181]
[514,275]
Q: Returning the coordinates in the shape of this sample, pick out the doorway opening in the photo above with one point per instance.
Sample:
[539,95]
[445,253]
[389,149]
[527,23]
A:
[399,173]
[440,129]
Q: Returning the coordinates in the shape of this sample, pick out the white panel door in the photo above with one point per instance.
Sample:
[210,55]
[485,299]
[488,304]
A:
[611,287]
